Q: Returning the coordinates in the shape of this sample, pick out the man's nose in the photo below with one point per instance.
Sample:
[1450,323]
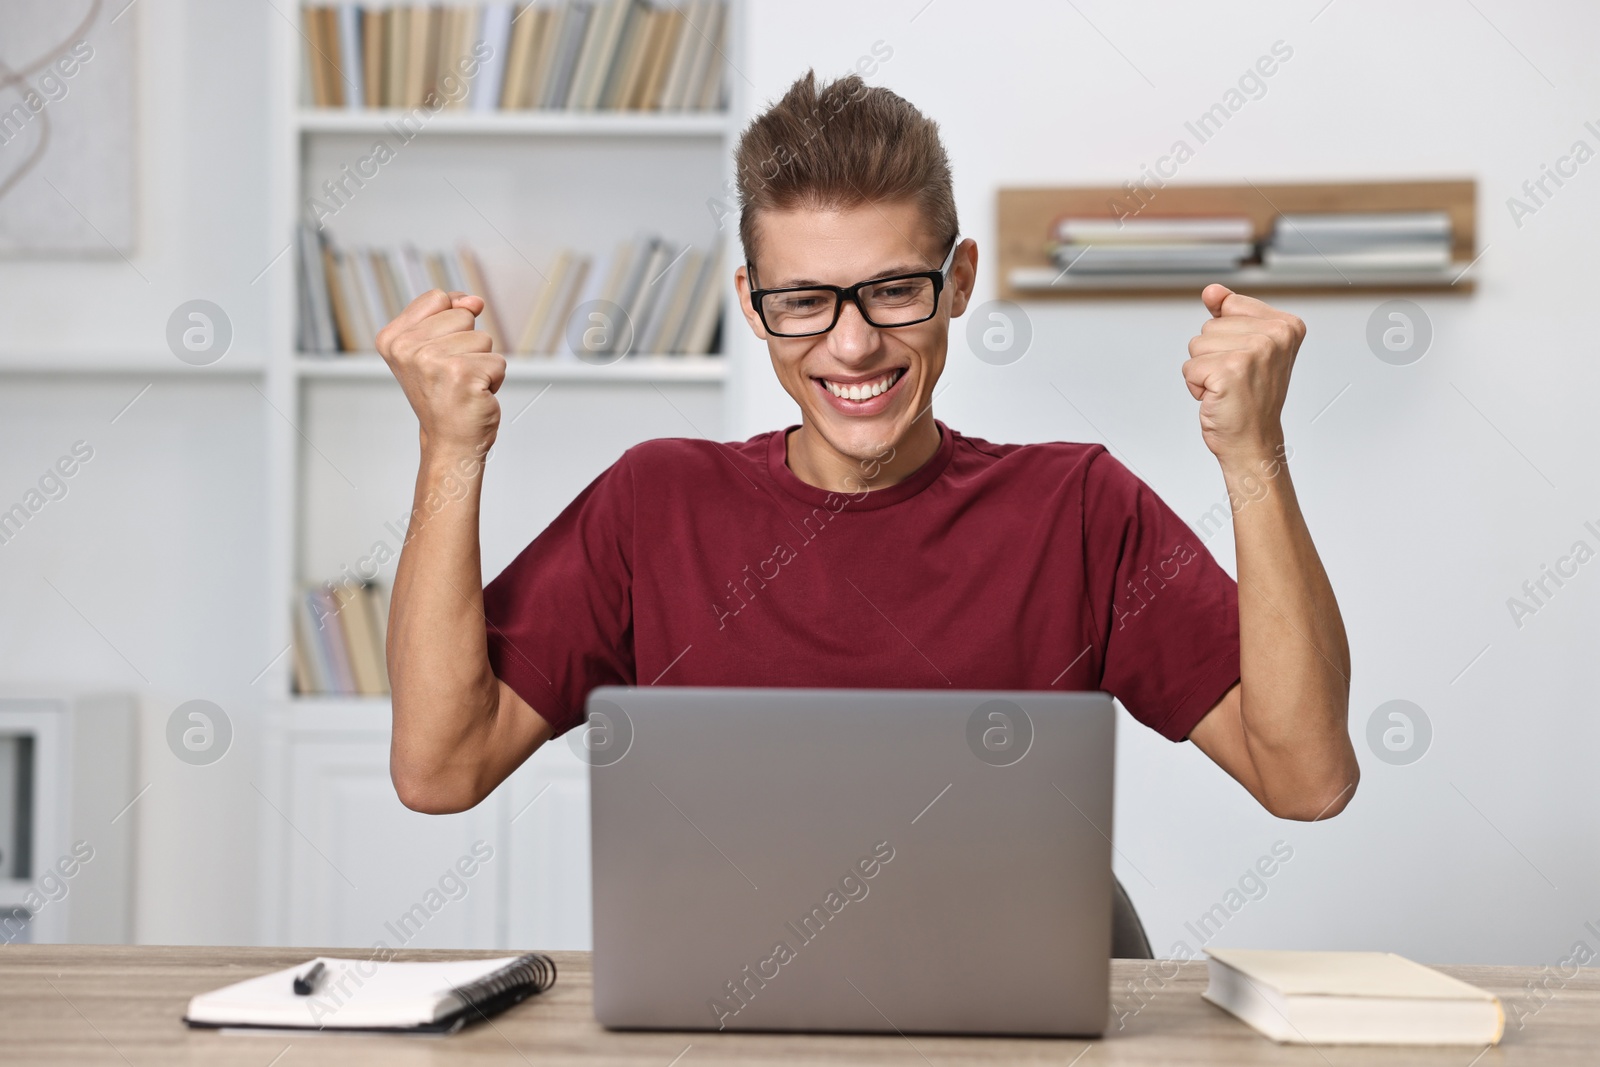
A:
[853,337]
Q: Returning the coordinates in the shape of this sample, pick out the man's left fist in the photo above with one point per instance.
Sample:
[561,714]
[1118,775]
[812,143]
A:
[1238,368]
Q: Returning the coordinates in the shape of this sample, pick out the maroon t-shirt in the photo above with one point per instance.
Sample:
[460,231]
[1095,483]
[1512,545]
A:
[1044,566]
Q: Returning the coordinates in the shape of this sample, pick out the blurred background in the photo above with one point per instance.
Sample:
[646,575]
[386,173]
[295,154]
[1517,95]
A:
[200,456]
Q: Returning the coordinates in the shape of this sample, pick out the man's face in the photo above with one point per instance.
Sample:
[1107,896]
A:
[892,369]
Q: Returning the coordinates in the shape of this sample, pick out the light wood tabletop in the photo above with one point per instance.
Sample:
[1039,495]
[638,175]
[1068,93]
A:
[87,1004]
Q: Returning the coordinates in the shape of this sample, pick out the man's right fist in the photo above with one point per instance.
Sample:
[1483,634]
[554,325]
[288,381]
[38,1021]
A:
[448,371]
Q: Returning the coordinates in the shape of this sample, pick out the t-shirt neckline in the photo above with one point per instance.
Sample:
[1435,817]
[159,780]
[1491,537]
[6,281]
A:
[918,480]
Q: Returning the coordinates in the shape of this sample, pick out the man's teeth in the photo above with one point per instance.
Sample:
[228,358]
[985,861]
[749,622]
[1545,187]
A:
[864,390]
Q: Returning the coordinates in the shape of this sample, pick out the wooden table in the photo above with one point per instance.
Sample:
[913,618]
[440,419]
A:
[86,1004]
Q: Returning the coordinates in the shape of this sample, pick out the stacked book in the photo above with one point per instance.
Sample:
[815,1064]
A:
[339,639]
[1101,245]
[1386,241]
[585,55]
[670,296]
[347,295]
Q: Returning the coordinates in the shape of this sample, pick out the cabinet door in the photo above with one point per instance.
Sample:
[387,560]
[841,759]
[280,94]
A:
[361,868]
[547,888]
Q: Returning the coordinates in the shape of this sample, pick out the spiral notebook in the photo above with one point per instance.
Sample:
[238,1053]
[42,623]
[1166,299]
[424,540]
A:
[366,995]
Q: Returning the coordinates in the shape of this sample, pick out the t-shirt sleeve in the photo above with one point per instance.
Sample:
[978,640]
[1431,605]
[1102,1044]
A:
[560,616]
[1165,612]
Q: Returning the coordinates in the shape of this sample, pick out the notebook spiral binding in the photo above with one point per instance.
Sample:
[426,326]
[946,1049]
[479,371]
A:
[511,984]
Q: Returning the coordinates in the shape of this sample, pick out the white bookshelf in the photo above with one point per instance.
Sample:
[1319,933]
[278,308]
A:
[707,126]
[341,453]
[631,370]
[589,151]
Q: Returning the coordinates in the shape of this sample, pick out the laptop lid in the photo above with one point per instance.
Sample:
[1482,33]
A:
[851,860]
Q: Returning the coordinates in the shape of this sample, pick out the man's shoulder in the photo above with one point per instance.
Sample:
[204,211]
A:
[672,459]
[1015,459]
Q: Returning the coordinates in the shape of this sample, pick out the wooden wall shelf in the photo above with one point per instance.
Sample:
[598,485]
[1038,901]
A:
[1025,217]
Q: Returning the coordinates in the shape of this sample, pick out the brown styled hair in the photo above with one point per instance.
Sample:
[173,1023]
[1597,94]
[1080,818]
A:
[844,144]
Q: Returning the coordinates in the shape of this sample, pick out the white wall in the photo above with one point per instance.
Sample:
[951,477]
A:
[1422,485]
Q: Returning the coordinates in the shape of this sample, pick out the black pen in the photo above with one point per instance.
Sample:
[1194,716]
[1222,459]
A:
[306,984]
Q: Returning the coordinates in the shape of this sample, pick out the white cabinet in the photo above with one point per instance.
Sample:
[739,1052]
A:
[547,871]
[348,866]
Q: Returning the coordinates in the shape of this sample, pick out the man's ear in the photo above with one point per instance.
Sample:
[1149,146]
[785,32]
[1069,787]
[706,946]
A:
[741,282]
[963,276]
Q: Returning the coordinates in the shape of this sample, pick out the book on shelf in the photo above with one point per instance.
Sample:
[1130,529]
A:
[1297,243]
[1100,245]
[550,86]
[316,323]
[1418,256]
[1161,258]
[669,293]
[351,70]
[339,639]
[1351,229]
[1379,241]
[599,55]
[1152,229]
[578,55]
[490,82]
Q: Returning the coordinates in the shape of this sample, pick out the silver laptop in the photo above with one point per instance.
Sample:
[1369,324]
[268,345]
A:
[851,860]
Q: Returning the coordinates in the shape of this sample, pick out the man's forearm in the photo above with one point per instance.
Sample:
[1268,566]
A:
[444,692]
[1293,654]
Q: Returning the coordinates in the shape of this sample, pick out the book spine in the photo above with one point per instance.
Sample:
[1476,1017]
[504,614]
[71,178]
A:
[699,43]
[546,37]
[332,638]
[320,330]
[678,343]
[669,28]
[398,41]
[373,25]
[671,323]
[659,303]
[704,326]
[308,647]
[552,341]
[343,324]
[625,58]
[350,56]
[316,47]
[682,55]
[387,274]
[362,321]
[558,93]
[710,97]
[369,292]
[495,34]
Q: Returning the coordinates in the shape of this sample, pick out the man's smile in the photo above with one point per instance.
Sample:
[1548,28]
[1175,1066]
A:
[861,394]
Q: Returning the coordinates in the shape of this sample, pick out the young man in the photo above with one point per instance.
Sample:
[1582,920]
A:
[871,545]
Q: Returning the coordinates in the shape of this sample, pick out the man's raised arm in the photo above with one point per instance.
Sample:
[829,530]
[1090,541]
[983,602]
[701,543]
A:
[458,730]
[1282,730]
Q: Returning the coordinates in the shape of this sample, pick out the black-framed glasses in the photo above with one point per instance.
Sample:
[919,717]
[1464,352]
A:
[809,310]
